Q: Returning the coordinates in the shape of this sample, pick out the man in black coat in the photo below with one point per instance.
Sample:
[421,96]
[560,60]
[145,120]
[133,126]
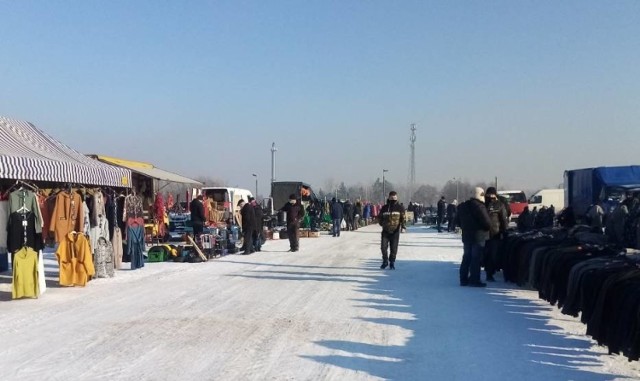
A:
[257,233]
[392,219]
[337,213]
[197,216]
[499,224]
[442,209]
[348,214]
[248,215]
[295,213]
[474,220]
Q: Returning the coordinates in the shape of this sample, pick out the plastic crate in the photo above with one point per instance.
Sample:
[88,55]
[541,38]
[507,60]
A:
[157,254]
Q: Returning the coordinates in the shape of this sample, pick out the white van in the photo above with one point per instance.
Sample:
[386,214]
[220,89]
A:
[228,197]
[548,197]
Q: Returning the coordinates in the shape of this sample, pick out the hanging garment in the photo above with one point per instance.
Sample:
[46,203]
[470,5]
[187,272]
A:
[67,216]
[86,221]
[101,230]
[158,214]
[116,244]
[99,209]
[25,274]
[135,243]
[74,258]
[45,212]
[132,207]
[4,222]
[42,278]
[104,258]
[23,199]
[20,235]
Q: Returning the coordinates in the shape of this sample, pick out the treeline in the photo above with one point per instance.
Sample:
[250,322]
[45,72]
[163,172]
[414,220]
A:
[426,194]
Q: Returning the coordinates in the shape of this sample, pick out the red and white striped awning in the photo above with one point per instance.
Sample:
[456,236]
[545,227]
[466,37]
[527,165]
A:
[26,153]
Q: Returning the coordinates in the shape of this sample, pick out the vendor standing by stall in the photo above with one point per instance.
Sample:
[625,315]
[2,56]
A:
[197,216]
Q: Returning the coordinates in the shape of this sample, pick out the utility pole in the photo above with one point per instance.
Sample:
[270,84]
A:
[256,176]
[384,193]
[273,165]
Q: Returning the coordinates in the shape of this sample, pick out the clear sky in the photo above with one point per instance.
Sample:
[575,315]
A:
[521,90]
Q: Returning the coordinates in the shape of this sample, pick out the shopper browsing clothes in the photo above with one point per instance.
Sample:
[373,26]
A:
[474,220]
[257,232]
[295,213]
[392,220]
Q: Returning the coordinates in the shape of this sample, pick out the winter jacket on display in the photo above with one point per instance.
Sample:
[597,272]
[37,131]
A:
[67,216]
[474,220]
[16,233]
[392,217]
[75,260]
[25,274]
[498,216]
[26,200]
[104,258]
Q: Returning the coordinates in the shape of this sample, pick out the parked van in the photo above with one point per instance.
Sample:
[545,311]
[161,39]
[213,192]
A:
[548,197]
[228,197]
[517,201]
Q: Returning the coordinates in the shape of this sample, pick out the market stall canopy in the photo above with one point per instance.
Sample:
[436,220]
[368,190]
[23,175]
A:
[146,169]
[26,153]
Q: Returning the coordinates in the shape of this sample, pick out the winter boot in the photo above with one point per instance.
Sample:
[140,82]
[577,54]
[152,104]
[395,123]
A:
[384,265]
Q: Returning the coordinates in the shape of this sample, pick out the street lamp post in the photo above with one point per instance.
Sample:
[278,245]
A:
[256,176]
[384,193]
[457,182]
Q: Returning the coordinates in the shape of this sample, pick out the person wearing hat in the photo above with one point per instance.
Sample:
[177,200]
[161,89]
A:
[248,218]
[259,217]
[474,220]
[499,224]
[295,213]
[392,220]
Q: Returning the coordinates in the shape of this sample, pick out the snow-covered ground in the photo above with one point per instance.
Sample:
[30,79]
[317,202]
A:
[325,313]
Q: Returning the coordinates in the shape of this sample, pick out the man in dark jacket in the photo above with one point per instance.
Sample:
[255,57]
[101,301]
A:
[392,220]
[357,214]
[475,223]
[248,215]
[499,224]
[295,213]
[257,233]
[442,208]
[348,214]
[197,216]
[337,214]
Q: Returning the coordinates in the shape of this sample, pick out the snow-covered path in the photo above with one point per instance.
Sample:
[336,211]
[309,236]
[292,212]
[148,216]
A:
[325,313]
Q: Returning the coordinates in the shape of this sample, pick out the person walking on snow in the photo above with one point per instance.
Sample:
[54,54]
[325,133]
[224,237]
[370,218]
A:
[337,213]
[392,220]
[451,216]
[498,216]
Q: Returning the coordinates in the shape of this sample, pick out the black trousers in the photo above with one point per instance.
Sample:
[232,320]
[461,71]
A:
[439,221]
[389,239]
[292,232]
[247,244]
[490,259]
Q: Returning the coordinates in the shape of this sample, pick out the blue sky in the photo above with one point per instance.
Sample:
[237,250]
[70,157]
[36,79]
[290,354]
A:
[521,90]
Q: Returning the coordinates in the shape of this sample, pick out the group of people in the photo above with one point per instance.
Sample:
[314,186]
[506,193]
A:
[351,213]
[484,221]
[536,219]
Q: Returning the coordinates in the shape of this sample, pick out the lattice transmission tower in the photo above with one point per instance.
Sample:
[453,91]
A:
[412,164]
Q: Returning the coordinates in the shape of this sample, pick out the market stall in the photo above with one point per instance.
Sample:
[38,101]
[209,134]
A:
[146,182]
[45,190]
